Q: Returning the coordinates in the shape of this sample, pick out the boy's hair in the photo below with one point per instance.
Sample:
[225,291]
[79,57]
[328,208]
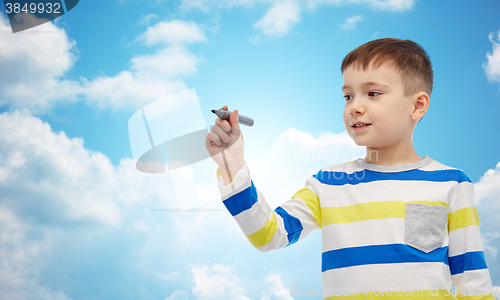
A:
[408,58]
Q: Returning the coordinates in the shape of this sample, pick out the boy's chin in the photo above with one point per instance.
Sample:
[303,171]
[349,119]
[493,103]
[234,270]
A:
[359,143]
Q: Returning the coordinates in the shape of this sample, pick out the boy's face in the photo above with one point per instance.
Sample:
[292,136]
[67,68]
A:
[376,97]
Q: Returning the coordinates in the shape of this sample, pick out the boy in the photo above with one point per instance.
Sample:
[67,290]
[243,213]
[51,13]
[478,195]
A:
[394,224]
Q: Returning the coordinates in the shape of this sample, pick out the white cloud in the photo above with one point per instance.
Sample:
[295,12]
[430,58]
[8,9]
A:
[66,212]
[172,62]
[314,4]
[64,182]
[282,15]
[18,252]
[125,90]
[496,292]
[350,22]
[487,240]
[280,18]
[277,290]
[178,295]
[173,32]
[487,194]
[492,68]
[488,187]
[33,63]
[147,19]
[221,282]
[207,5]
[217,282]
[39,59]
[390,5]
[150,78]
[52,180]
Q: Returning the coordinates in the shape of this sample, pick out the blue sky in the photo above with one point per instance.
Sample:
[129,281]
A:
[75,214]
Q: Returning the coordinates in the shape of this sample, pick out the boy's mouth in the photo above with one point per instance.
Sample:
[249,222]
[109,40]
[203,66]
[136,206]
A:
[359,124]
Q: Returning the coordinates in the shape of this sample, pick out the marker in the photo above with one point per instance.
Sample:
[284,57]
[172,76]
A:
[224,114]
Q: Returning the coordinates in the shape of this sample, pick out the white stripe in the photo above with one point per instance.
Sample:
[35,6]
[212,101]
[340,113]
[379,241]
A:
[465,239]
[363,233]
[254,218]
[464,196]
[479,279]
[366,233]
[280,239]
[387,277]
[241,181]
[385,190]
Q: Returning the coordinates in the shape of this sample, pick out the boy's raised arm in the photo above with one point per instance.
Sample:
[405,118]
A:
[265,228]
[468,268]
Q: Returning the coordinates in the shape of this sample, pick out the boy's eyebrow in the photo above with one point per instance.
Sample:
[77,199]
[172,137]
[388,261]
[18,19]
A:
[367,84]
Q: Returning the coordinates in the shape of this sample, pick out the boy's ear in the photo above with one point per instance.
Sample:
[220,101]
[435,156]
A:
[420,105]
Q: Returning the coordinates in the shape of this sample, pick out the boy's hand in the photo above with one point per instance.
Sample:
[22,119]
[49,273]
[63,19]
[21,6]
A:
[226,136]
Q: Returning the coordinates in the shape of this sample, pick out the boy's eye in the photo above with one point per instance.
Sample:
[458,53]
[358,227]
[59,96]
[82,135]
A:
[373,94]
[347,97]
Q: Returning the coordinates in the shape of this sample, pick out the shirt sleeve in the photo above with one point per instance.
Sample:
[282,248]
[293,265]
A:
[469,272]
[269,229]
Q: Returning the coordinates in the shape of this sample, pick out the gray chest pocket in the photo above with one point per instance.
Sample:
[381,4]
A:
[425,226]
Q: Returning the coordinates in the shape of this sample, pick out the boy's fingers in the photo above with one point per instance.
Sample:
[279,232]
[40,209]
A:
[224,124]
[221,122]
[221,134]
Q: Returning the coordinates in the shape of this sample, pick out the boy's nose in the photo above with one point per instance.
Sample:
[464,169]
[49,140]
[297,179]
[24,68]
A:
[356,108]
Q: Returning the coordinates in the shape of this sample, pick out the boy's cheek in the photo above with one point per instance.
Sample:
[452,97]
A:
[347,121]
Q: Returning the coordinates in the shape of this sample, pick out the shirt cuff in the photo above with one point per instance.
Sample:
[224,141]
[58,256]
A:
[241,178]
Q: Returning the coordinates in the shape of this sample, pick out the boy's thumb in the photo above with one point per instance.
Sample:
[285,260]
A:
[233,119]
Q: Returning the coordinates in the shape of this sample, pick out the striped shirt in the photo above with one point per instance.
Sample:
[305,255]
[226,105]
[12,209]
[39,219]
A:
[388,232]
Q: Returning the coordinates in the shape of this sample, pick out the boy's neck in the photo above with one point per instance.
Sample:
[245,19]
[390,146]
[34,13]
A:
[391,157]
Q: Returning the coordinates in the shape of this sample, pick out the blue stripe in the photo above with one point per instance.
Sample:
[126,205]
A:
[467,262]
[241,201]
[379,254]
[342,178]
[293,225]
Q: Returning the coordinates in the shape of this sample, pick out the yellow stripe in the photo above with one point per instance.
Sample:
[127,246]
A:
[312,201]
[264,235]
[462,218]
[480,297]
[219,174]
[368,211]
[389,295]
